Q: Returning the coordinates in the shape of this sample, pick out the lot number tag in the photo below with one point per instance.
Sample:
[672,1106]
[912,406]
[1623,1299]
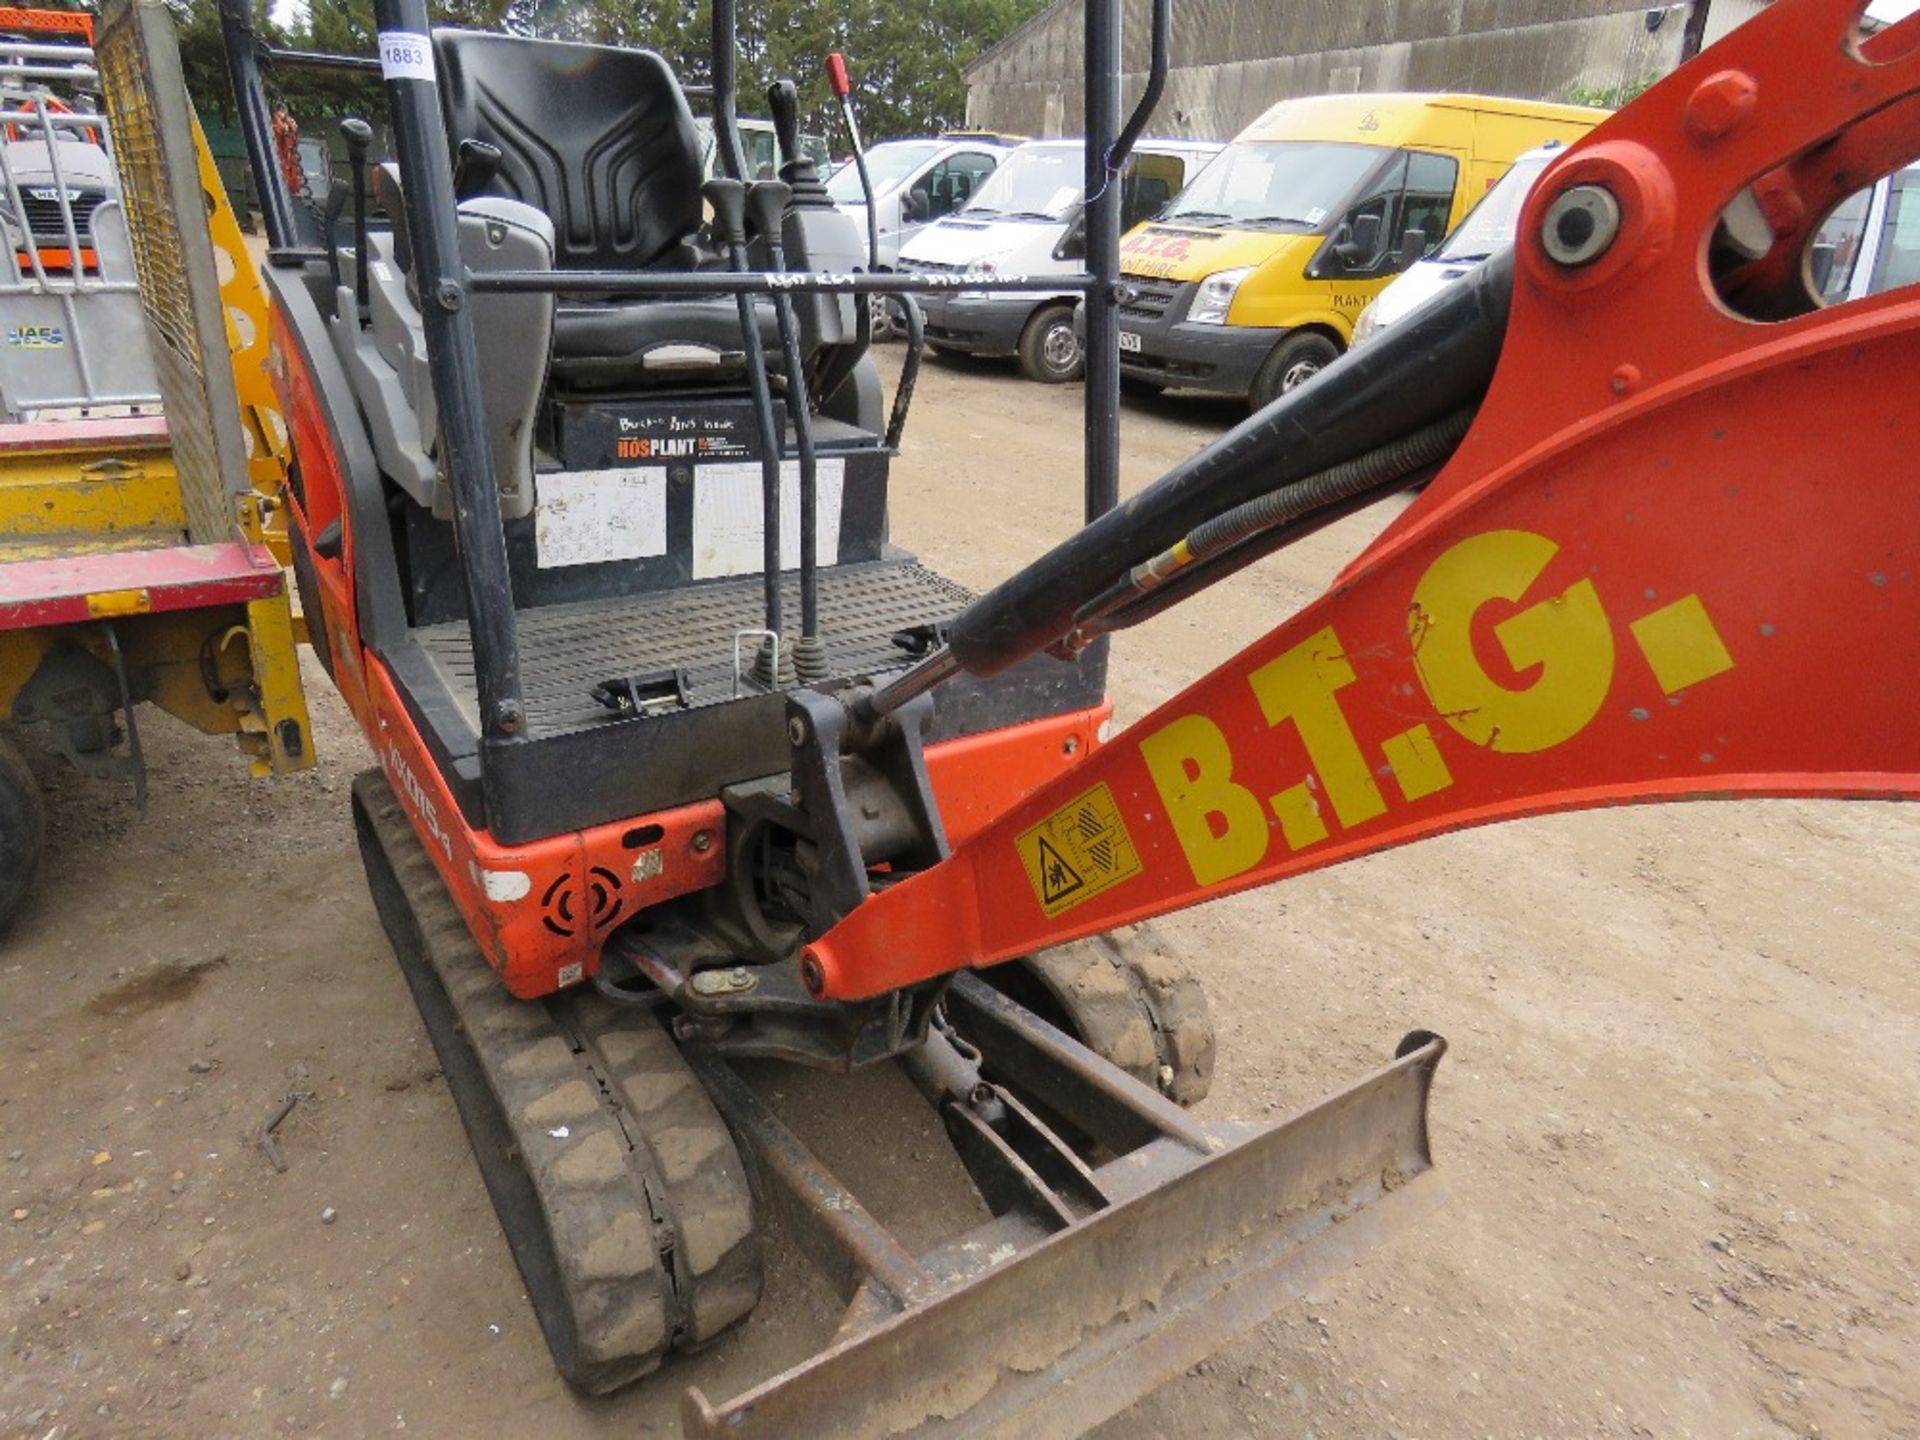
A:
[405,56]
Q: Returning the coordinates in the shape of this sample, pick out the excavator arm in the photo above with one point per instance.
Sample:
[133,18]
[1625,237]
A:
[1675,556]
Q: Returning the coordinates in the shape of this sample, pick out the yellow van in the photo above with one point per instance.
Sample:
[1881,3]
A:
[1252,277]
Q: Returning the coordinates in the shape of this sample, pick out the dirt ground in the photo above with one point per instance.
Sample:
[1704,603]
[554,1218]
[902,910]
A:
[1678,1123]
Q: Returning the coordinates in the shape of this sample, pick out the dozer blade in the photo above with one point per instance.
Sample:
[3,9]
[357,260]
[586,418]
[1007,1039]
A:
[1202,1242]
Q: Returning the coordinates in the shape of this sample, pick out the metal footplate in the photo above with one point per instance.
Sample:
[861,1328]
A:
[1094,1283]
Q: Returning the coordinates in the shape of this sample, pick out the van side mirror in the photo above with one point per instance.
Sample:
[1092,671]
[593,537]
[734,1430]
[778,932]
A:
[1362,240]
[1820,264]
[1358,240]
[1413,246]
[1073,244]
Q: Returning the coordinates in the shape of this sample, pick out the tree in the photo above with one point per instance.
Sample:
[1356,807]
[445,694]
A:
[1611,97]
[908,56]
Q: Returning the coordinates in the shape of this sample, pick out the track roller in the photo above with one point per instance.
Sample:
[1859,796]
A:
[618,1186]
[1127,997]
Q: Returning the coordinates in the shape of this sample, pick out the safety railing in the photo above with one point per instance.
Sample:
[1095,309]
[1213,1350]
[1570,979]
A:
[444,283]
[72,339]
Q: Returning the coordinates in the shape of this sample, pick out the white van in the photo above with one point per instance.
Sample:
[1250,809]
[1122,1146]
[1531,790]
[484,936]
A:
[1869,244]
[915,182]
[761,151]
[1488,227]
[1027,220]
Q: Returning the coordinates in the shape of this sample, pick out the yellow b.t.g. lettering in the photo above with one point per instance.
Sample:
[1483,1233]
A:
[1567,635]
[1218,823]
[1302,686]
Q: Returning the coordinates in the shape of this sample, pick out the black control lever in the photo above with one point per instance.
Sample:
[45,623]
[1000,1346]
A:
[336,206]
[728,199]
[783,104]
[766,209]
[359,137]
[797,167]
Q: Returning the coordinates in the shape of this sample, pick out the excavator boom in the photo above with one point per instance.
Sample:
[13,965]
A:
[1674,557]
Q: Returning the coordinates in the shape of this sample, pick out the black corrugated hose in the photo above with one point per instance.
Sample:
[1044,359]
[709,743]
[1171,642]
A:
[1324,493]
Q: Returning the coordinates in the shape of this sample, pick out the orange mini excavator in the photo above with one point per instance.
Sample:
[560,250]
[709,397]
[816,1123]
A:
[683,760]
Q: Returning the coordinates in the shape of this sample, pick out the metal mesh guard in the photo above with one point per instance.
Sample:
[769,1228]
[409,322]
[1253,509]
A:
[147,108]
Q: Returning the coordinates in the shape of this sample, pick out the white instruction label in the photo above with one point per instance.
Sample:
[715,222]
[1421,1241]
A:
[588,517]
[727,519]
[405,55]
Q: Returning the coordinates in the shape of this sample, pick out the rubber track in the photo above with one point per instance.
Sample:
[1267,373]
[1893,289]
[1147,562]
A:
[1136,1004]
[618,1186]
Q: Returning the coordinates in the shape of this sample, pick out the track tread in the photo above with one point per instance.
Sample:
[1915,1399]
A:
[644,1239]
[1136,1004]
[691,1161]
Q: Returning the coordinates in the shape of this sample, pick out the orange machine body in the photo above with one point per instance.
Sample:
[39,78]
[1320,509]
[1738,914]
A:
[541,911]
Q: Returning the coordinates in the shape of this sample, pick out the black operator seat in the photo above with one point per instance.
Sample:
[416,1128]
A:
[600,139]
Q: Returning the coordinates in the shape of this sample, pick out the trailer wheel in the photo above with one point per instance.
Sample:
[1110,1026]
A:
[1049,350]
[1294,361]
[23,829]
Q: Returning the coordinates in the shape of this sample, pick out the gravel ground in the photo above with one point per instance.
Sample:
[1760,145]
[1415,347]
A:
[1678,1123]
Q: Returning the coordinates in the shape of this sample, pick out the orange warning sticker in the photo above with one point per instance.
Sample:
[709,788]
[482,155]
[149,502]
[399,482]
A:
[1078,851]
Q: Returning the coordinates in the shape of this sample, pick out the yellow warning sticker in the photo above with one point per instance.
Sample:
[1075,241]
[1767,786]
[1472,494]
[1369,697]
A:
[1078,851]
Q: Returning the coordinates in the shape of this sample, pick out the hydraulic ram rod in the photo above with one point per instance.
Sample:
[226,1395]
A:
[1436,364]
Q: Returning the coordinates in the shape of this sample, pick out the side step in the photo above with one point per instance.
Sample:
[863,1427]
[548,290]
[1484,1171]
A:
[617,1184]
[1021,1331]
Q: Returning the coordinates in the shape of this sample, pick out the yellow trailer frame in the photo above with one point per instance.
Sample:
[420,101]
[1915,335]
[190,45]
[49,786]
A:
[142,559]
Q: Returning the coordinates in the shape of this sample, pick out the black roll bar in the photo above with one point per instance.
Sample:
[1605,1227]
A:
[256,124]
[426,172]
[319,59]
[763,282]
[1103,258]
[1157,62]
[726,120]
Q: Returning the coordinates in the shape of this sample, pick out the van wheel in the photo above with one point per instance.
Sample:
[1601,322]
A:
[1049,350]
[888,323]
[23,829]
[1294,361]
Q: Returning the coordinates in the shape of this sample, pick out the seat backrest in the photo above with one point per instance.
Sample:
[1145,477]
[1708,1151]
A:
[599,138]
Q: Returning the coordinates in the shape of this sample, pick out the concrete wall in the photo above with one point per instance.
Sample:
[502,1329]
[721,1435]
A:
[1233,58]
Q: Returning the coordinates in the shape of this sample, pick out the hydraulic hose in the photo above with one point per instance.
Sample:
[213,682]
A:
[729,201]
[766,207]
[909,369]
[1188,557]
[1437,361]
[1423,373]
